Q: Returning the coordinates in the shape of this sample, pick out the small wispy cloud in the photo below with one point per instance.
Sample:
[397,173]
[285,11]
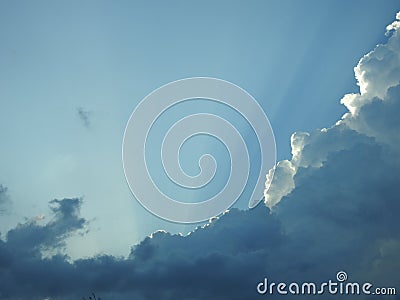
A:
[3,198]
[84,116]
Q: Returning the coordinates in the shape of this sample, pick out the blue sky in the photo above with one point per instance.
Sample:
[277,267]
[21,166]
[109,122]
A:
[101,57]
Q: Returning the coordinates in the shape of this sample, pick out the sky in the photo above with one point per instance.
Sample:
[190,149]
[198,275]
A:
[71,74]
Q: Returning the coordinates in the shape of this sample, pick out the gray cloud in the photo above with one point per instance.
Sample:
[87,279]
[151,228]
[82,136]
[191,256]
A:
[3,193]
[4,198]
[24,272]
[33,238]
[84,116]
[335,206]
[162,266]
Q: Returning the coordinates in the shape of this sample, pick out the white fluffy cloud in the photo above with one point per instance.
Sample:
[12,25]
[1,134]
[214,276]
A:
[373,112]
[395,25]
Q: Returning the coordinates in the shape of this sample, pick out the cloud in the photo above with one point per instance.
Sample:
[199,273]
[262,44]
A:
[4,198]
[372,114]
[32,238]
[84,116]
[3,193]
[393,26]
[162,266]
[25,272]
[334,206]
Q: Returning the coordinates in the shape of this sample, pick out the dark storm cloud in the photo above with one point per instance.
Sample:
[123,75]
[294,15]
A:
[24,273]
[335,206]
[33,237]
[208,263]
